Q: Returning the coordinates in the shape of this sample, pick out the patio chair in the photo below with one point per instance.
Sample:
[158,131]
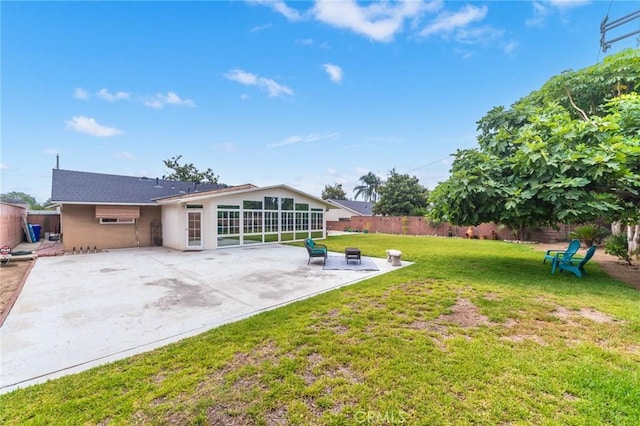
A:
[555,255]
[576,264]
[316,250]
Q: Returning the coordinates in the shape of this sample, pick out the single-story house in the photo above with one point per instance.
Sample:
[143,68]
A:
[112,211]
[344,209]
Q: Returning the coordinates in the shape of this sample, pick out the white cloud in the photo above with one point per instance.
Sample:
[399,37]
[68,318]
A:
[479,35]
[160,101]
[304,42]
[90,126]
[448,22]
[112,97]
[280,7]
[379,21]
[3,166]
[225,147]
[334,71]
[260,28]
[303,139]
[80,93]
[568,4]
[245,97]
[249,79]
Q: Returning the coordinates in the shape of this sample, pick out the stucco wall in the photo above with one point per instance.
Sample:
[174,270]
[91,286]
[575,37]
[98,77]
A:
[81,228]
[11,215]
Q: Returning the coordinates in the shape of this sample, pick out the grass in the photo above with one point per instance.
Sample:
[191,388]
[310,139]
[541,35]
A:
[476,331]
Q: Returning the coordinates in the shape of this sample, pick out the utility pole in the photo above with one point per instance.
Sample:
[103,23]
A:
[607,26]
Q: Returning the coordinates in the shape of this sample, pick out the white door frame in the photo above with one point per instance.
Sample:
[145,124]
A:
[193,230]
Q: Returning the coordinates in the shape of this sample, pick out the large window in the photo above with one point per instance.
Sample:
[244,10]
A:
[228,226]
[252,222]
[270,221]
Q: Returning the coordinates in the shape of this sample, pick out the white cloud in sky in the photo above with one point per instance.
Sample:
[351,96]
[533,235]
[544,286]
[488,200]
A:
[90,126]
[260,28]
[334,71]
[379,21]
[447,22]
[280,7]
[3,166]
[225,147]
[112,97]
[314,137]
[249,79]
[568,4]
[80,93]
[171,98]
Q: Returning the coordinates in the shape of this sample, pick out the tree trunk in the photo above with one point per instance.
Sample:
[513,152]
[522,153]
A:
[633,237]
[616,228]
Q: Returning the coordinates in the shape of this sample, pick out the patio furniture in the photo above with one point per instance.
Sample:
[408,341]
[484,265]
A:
[555,255]
[315,250]
[352,253]
[5,255]
[576,264]
[393,256]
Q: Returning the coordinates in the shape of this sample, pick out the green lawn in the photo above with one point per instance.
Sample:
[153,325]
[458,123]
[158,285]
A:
[474,332]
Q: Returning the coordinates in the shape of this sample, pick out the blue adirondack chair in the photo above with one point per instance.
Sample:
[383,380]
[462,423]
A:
[555,255]
[576,264]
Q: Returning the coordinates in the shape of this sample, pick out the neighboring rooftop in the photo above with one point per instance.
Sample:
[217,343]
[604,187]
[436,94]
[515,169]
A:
[85,187]
[363,208]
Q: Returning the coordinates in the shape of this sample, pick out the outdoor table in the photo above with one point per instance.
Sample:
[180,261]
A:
[352,253]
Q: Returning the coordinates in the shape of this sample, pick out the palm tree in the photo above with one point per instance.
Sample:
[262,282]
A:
[369,188]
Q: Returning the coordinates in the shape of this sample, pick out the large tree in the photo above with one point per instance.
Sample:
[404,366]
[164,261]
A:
[368,188]
[188,172]
[25,198]
[334,192]
[401,195]
[569,152]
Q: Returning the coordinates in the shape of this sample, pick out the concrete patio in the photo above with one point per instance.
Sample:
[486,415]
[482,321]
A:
[79,311]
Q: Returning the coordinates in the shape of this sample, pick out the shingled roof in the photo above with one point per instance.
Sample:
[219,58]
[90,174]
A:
[363,208]
[69,186]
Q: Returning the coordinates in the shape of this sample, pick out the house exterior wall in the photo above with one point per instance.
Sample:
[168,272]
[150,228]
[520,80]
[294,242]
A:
[173,226]
[11,217]
[334,215]
[80,228]
[174,216]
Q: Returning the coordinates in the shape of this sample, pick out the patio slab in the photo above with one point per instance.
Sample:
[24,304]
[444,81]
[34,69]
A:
[79,311]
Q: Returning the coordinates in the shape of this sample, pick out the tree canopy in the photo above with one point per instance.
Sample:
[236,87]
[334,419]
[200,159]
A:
[401,195]
[368,189]
[25,198]
[569,152]
[334,192]
[188,172]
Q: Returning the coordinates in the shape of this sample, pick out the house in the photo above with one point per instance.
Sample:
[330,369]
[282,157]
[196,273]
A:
[344,209]
[112,211]
[339,217]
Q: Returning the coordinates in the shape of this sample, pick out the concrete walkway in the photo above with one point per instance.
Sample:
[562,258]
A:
[79,311]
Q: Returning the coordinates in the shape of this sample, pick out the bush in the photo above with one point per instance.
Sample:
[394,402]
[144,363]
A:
[589,234]
[616,245]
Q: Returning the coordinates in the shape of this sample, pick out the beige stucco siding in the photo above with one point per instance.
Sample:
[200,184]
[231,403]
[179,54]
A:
[81,228]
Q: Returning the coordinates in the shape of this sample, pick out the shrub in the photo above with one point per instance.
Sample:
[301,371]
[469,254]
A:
[616,245]
[589,234]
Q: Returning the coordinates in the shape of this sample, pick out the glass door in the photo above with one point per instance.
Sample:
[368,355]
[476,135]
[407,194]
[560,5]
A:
[194,230]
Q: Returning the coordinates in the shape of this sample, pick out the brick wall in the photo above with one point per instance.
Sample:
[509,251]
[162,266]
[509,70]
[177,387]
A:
[11,216]
[417,225]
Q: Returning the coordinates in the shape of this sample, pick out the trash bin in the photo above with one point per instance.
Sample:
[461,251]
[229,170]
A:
[36,232]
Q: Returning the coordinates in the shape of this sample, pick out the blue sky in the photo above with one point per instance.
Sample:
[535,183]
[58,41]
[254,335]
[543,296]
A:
[306,94]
